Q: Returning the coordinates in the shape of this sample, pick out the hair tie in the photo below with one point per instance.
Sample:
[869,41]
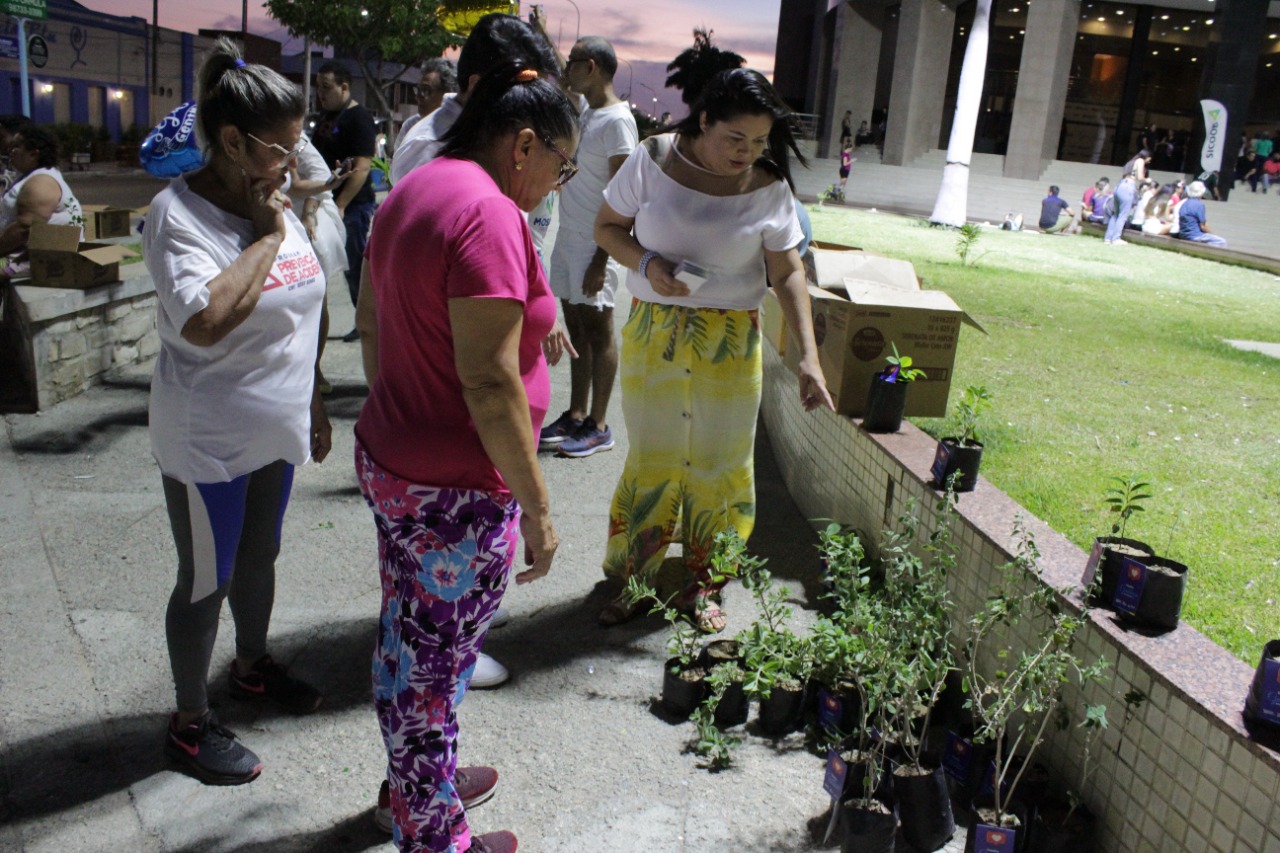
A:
[240,63]
[528,75]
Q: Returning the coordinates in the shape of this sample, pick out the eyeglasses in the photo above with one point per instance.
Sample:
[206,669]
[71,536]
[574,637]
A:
[285,153]
[568,168]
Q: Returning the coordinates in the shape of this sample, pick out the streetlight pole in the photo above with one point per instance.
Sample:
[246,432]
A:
[631,76]
[577,28]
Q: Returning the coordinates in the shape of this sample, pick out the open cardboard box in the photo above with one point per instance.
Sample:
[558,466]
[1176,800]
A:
[102,221]
[857,326]
[59,259]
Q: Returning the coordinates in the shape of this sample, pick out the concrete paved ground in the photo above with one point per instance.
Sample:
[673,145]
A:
[86,564]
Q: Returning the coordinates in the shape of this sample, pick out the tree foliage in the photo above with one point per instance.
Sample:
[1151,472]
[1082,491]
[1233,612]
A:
[695,66]
[373,33]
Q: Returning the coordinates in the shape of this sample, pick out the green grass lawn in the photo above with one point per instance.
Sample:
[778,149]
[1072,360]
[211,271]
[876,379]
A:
[1110,360]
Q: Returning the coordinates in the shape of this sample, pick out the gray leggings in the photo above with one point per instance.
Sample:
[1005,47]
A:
[227,536]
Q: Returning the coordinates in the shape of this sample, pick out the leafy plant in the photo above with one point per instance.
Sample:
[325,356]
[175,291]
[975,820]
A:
[966,238]
[1126,497]
[843,561]
[1094,724]
[684,644]
[1025,686]
[973,400]
[919,607]
[900,369]
[712,743]
[773,655]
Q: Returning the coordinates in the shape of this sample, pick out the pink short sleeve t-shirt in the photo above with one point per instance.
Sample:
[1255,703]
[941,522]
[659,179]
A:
[446,231]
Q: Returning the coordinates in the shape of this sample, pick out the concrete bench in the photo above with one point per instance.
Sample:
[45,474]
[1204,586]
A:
[63,340]
[1189,247]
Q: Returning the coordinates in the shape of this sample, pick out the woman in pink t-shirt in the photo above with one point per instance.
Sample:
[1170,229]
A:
[455,321]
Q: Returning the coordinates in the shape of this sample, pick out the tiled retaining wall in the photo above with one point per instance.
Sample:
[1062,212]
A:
[1181,774]
[70,338]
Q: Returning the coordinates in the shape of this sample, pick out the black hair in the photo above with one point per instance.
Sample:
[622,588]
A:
[599,51]
[503,102]
[1054,189]
[737,92]
[445,70]
[42,142]
[498,39]
[251,97]
[341,73]
[13,122]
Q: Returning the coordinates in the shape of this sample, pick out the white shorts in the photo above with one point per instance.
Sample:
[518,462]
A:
[569,260]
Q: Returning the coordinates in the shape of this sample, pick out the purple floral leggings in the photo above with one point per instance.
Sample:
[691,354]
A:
[445,556]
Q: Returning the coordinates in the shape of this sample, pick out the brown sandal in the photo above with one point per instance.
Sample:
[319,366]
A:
[618,611]
[709,615]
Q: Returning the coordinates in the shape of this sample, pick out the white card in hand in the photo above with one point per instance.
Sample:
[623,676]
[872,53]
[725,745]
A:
[691,274]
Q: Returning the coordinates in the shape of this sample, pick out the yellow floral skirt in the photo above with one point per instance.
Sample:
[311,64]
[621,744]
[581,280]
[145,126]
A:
[691,382]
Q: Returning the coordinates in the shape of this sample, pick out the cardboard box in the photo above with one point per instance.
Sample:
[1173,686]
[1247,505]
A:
[59,259]
[102,221]
[772,323]
[833,263]
[856,328]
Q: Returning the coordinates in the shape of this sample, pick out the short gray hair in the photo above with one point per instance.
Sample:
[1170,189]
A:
[445,70]
[1196,189]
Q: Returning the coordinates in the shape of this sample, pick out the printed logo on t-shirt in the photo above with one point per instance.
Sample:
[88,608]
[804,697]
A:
[293,270]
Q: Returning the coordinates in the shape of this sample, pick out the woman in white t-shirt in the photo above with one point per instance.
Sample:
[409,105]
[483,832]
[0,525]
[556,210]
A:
[39,194]
[690,364]
[233,401]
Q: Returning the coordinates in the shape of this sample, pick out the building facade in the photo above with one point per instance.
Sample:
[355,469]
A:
[91,68]
[1082,80]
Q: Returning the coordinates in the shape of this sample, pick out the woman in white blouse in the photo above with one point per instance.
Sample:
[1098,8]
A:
[716,195]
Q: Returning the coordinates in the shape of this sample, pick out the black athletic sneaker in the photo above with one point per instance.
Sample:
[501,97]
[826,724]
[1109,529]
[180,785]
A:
[210,752]
[268,680]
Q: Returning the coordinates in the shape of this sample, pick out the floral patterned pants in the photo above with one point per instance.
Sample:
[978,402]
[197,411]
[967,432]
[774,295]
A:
[691,384]
[445,556]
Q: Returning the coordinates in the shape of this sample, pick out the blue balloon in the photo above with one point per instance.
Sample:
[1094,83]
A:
[171,148]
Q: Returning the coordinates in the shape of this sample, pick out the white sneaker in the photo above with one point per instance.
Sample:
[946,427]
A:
[501,616]
[488,673]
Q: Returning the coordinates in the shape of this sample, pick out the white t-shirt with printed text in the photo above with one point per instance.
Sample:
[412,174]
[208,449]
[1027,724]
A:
[222,411]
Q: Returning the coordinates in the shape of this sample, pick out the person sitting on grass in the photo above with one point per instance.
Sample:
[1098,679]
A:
[1191,218]
[1055,214]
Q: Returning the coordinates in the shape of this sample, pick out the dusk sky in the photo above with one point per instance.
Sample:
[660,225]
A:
[647,34]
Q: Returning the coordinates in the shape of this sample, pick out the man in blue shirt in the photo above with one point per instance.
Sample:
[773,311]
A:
[1191,221]
[1055,213]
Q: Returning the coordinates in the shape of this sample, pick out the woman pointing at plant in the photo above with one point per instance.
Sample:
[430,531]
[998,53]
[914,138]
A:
[715,194]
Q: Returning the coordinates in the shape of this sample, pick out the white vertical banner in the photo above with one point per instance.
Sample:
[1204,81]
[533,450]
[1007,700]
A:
[1215,128]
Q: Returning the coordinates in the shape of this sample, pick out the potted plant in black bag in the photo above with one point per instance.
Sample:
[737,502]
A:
[887,398]
[1125,497]
[868,819]
[847,577]
[919,608]
[1014,691]
[1150,591]
[683,676]
[960,455]
[1262,705]
[775,660]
